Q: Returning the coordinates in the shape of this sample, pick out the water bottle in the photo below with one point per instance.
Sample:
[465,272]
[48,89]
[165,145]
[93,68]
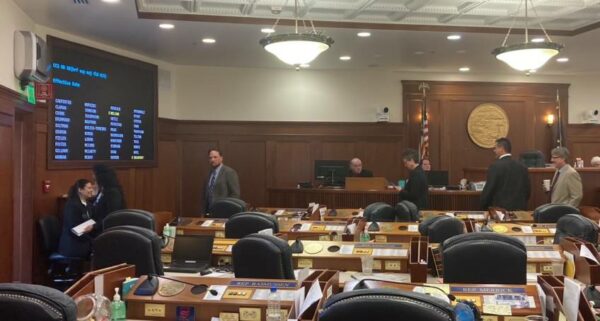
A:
[364,236]
[274,306]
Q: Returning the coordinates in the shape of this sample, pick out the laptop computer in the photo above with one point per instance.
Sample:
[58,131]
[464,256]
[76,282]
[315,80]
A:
[191,253]
[437,178]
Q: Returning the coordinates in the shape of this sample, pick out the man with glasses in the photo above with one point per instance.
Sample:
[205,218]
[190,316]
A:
[566,187]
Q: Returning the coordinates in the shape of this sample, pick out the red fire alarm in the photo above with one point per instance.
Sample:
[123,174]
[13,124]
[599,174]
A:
[43,91]
[46,186]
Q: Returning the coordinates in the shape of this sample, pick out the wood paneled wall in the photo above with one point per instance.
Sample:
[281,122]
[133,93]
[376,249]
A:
[7,121]
[450,103]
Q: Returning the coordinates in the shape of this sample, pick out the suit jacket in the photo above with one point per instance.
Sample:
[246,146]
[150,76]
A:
[416,188]
[70,244]
[568,188]
[227,184]
[507,185]
[363,173]
[111,200]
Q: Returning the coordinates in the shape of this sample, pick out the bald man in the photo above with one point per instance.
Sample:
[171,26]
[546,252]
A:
[356,169]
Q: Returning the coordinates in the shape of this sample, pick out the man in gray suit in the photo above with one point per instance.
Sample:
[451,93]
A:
[566,187]
[222,182]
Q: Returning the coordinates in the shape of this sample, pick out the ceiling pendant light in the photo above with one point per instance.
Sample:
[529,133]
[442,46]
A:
[296,48]
[528,55]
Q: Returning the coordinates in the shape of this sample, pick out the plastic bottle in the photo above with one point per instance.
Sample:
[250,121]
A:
[364,236]
[274,306]
[117,307]
[167,230]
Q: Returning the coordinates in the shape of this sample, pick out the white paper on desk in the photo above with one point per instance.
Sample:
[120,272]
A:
[500,215]
[337,228]
[279,212]
[542,296]
[527,239]
[390,252]
[451,214]
[207,223]
[552,230]
[526,229]
[305,227]
[303,274]
[585,252]
[413,228]
[314,294]
[351,228]
[267,231]
[298,301]
[315,207]
[79,229]
[543,255]
[360,213]
[220,291]
[571,299]
[346,249]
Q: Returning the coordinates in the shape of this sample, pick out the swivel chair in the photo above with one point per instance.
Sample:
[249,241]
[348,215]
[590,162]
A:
[379,212]
[226,207]
[551,213]
[532,158]
[407,211]
[385,305]
[128,244]
[578,226]
[262,256]
[25,302]
[441,228]
[484,258]
[242,224]
[134,217]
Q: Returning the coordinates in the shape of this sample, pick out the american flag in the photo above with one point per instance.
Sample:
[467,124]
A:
[559,129]
[424,143]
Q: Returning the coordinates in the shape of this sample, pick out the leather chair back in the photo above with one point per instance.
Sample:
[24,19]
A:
[532,158]
[385,305]
[379,212]
[407,211]
[484,258]
[226,207]
[243,224]
[263,257]
[26,302]
[578,226]
[133,217]
[50,230]
[128,244]
[441,228]
[551,213]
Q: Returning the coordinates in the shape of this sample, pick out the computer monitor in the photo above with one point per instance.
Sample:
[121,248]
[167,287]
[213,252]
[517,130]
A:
[331,172]
[437,178]
[193,247]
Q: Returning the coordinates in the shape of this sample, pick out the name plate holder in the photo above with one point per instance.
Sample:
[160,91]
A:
[586,270]
[418,258]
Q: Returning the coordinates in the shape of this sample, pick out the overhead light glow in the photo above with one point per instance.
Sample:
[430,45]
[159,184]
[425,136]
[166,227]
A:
[267,30]
[538,40]
[345,58]
[562,59]
[464,69]
[364,34]
[454,37]
[166,26]
[209,40]
[111,1]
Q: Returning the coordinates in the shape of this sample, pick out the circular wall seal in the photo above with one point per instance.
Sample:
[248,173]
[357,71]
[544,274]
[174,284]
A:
[486,123]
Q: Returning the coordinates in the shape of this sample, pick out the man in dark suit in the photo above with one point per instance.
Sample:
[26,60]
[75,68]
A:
[355,169]
[222,182]
[416,188]
[507,184]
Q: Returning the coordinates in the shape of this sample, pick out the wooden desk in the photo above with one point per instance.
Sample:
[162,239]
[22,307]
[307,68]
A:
[527,232]
[341,198]
[519,216]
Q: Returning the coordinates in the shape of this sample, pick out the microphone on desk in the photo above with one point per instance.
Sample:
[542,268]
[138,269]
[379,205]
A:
[196,288]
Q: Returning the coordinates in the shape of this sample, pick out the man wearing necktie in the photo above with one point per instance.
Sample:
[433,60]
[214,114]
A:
[566,187]
[222,181]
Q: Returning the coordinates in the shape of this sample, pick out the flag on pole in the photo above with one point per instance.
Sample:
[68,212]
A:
[559,129]
[424,142]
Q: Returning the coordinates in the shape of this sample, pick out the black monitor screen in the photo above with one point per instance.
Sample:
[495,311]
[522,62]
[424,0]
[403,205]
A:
[437,178]
[193,247]
[331,172]
[104,108]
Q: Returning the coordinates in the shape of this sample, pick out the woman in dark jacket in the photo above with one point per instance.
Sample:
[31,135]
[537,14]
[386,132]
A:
[77,210]
[110,194]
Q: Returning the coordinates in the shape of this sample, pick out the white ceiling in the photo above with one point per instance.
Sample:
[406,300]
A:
[237,44]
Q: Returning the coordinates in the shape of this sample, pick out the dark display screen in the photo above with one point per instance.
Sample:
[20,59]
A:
[104,107]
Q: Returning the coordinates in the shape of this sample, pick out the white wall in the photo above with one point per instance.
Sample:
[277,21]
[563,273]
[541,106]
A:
[11,18]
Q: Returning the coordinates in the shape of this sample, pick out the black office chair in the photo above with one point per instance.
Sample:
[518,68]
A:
[379,212]
[441,228]
[263,257]
[134,217]
[484,258]
[242,224]
[385,305]
[226,207]
[407,211]
[532,158]
[62,270]
[578,226]
[27,302]
[551,213]
[128,244]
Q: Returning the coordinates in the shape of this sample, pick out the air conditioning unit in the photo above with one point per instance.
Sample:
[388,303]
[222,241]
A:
[31,58]
[383,115]
[592,116]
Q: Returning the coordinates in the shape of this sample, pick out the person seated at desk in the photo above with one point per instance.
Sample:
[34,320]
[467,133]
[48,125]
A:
[416,188]
[356,169]
[77,210]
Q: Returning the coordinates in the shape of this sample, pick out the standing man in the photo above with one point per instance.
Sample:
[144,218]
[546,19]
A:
[222,182]
[416,188]
[356,169]
[566,187]
[507,184]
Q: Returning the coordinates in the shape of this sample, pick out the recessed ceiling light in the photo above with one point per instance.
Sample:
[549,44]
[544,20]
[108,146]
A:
[304,65]
[464,69]
[364,34]
[267,30]
[209,40]
[166,26]
[538,40]
[453,37]
[345,58]
[562,59]
[111,1]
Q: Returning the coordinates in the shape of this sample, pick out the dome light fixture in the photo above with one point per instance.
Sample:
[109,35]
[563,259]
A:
[528,55]
[296,48]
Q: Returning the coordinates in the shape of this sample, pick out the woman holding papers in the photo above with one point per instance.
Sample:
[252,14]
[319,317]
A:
[75,240]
